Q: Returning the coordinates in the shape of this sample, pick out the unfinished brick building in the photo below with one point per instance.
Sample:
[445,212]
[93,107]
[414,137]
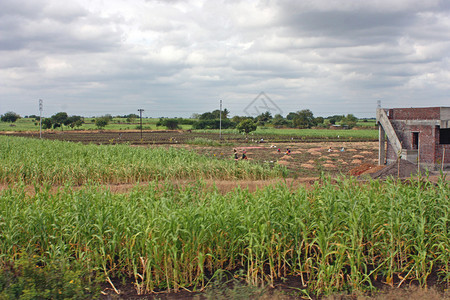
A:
[419,135]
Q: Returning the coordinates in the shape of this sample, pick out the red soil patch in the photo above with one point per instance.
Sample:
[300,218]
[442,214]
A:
[329,165]
[356,171]
[307,166]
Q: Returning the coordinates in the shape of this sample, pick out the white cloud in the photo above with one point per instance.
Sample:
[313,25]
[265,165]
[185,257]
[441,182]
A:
[180,57]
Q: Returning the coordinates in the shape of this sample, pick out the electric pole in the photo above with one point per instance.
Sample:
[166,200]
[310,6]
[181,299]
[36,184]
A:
[220,121]
[140,110]
[41,107]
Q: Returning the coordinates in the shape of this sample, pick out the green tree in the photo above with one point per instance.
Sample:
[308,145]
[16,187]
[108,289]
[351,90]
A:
[225,113]
[47,123]
[215,114]
[101,122]
[246,126]
[304,119]
[74,121]
[170,124]
[263,118]
[131,118]
[319,120]
[291,116]
[349,120]
[334,119]
[278,120]
[10,116]
[59,119]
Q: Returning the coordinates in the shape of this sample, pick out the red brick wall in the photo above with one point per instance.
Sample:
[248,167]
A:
[430,151]
[425,113]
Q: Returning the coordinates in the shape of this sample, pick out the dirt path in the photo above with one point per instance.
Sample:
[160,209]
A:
[223,186]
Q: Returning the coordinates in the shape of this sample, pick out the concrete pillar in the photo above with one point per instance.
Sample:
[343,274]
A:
[381,145]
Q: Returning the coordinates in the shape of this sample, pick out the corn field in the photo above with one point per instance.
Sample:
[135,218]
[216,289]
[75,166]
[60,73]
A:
[335,237]
[36,161]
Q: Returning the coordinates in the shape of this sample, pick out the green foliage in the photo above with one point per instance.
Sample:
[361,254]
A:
[10,117]
[169,237]
[278,120]
[47,123]
[59,119]
[319,120]
[131,118]
[239,119]
[214,115]
[350,121]
[102,122]
[170,124]
[74,121]
[246,126]
[304,119]
[28,277]
[335,119]
[204,142]
[263,118]
[213,124]
[31,161]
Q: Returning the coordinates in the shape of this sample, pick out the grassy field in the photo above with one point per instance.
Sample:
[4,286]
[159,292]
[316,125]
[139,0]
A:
[62,230]
[56,162]
[115,124]
[336,237]
[323,134]
[366,131]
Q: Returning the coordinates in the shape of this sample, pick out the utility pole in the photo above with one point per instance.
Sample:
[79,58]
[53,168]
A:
[220,121]
[41,107]
[140,110]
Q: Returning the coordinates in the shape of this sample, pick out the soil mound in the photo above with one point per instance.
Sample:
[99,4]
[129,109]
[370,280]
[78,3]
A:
[360,169]
[398,169]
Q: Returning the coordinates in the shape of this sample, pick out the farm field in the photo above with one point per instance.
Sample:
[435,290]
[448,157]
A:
[307,230]
[189,136]
[309,157]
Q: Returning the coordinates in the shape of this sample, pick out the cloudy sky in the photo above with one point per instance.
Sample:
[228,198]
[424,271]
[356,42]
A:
[176,58]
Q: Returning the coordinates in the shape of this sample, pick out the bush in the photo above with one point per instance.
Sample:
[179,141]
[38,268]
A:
[10,117]
[170,124]
[246,126]
[30,278]
[101,122]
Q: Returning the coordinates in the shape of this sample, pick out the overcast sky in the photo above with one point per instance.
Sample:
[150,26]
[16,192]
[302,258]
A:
[176,58]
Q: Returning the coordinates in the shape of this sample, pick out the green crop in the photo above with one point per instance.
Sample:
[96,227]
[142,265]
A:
[55,162]
[307,134]
[332,237]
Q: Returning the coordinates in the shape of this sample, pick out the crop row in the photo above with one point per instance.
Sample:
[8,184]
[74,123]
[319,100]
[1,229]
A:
[174,137]
[334,237]
[36,161]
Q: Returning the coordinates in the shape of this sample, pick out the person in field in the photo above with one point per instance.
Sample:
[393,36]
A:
[244,155]
[236,157]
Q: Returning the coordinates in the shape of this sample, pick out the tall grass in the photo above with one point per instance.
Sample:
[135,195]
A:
[56,162]
[333,238]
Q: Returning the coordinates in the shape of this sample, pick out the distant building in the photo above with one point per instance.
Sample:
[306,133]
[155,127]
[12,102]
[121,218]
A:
[419,135]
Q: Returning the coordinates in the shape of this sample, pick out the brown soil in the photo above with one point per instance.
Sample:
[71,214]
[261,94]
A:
[223,186]
[290,289]
[361,169]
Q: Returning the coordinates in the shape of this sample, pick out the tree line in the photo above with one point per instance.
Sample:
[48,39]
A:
[217,119]
[209,120]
